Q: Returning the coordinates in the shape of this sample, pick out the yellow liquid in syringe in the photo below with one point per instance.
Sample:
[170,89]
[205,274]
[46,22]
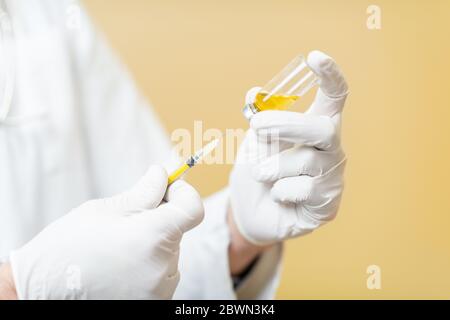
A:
[275,102]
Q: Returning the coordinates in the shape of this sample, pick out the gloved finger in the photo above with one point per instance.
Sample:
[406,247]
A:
[323,202]
[184,206]
[251,95]
[296,161]
[172,270]
[147,193]
[292,189]
[297,128]
[333,88]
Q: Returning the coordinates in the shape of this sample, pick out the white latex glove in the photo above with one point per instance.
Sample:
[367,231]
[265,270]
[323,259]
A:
[123,247]
[290,191]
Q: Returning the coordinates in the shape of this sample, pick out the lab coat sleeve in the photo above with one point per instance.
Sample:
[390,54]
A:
[123,135]
[204,264]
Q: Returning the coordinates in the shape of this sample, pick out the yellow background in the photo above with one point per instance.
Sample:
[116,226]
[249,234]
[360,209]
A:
[195,60]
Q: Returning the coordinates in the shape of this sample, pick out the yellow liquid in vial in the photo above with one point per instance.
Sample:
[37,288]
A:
[275,102]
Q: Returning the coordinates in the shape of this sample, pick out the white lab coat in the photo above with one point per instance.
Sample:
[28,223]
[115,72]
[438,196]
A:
[77,128]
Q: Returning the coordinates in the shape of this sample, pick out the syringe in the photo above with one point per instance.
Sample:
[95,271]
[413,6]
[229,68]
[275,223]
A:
[192,161]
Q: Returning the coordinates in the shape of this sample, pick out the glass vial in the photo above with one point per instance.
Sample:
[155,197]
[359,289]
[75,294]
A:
[280,93]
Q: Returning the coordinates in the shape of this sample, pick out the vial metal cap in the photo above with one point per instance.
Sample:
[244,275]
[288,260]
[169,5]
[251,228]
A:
[249,110]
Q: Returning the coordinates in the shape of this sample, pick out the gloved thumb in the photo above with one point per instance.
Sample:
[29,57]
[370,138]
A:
[331,79]
[147,193]
[333,88]
[184,206]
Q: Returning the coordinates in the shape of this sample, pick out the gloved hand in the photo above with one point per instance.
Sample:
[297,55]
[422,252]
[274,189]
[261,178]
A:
[288,176]
[123,247]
